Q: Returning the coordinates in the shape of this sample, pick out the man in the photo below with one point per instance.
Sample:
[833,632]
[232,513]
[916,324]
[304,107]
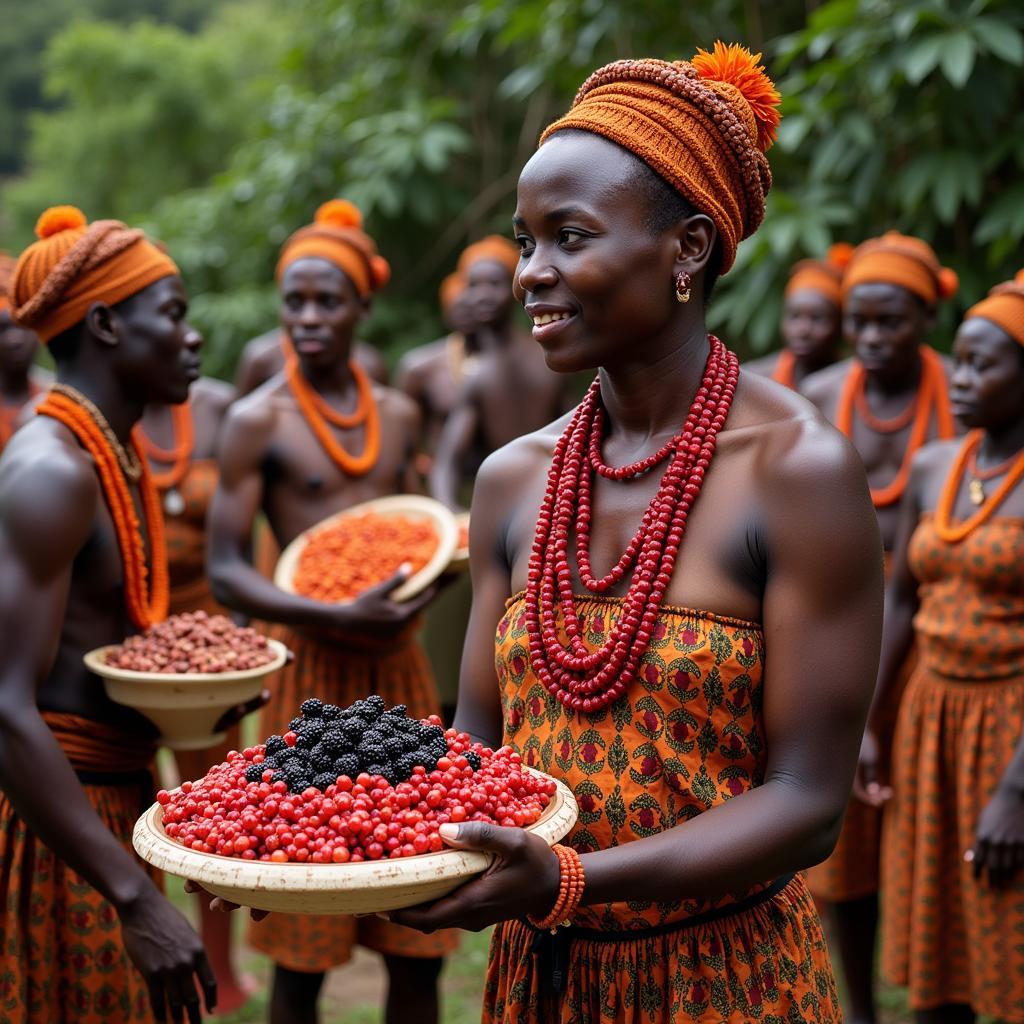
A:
[890,398]
[283,452]
[84,930]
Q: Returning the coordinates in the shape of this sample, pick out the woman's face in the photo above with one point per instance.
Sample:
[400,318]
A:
[488,292]
[884,325]
[987,386]
[598,285]
[810,324]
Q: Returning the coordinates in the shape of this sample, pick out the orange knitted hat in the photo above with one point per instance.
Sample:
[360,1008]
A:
[75,264]
[1004,306]
[336,235]
[704,125]
[451,288]
[901,260]
[6,270]
[493,248]
[822,276]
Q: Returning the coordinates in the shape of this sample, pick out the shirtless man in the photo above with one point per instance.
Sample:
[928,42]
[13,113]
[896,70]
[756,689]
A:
[889,398]
[512,393]
[279,454]
[86,933]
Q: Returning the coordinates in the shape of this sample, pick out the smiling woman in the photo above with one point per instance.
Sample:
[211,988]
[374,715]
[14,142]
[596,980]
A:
[689,655]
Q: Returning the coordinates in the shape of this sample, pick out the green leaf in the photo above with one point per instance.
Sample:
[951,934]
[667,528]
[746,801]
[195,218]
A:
[922,59]
[958,53]
[1000,38]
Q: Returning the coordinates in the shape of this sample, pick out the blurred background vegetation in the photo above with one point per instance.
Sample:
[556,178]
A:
[220,125]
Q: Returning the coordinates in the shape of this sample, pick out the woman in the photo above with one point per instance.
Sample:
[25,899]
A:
[702,790]
[954,835]
[21,381]
[811,320]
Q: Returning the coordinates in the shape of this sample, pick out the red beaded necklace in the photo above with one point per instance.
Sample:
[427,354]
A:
[590,680]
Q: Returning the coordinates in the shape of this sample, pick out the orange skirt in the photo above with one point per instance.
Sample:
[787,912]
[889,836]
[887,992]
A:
[767,963]
[853,869]
[948,937]
[398,672]
[63,957]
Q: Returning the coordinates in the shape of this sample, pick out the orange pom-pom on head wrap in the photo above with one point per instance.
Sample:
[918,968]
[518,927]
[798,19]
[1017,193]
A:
[904,261]
[703,125]
[1004,306]
[75,264]
[337,235]
[492,249]
[822,276]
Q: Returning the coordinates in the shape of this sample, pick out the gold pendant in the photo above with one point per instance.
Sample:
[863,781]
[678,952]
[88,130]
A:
[977,492]
[174,503]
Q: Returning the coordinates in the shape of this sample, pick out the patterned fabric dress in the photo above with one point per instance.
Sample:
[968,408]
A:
[949,937]
[688,737]
[341,674]
[63,960]
[853,869]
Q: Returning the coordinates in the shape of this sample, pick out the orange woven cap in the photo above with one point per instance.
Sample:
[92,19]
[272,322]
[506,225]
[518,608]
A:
[6,270]
[493,248]
[1004,306]
[452,287]
[904,261]
[704,125]
[336,235]
[822,276]
[75,264]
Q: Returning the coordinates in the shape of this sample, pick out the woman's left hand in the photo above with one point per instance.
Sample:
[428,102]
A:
[999,841]
[522,879]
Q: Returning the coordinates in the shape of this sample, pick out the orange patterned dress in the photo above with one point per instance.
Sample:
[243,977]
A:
[949,937]
[340,674]
[63,961]
[689,737]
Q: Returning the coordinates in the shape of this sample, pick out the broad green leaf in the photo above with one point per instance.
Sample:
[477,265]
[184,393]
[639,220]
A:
[923,58]
[1000,38]
[958,53]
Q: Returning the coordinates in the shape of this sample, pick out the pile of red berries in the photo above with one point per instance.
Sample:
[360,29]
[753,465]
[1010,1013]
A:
[193,642]
[352,819]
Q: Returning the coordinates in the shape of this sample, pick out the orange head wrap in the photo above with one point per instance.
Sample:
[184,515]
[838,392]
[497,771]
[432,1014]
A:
[6,270]
[452,287]
[493,248]
[75,264]
[704,126]
[822,276]
[904,261]
[1004,306]
[336,235]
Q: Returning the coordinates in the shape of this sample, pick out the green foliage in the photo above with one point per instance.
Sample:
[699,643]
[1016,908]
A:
[897,114]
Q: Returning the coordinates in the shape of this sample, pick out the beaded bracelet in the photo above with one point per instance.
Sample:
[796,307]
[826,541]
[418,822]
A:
[570,891]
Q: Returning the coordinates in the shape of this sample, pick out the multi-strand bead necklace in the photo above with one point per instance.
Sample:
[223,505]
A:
[590,680]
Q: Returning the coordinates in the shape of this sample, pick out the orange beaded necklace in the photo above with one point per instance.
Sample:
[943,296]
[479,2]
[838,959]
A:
[178,456]
[317,414]
[932,396]
[785,369]
[86,422]
[952,532]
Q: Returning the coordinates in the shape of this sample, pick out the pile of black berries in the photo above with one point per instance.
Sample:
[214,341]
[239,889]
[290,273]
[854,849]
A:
[366,737]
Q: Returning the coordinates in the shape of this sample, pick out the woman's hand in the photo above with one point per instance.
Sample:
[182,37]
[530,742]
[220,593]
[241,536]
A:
[999,840]
[866,785]
[522,879]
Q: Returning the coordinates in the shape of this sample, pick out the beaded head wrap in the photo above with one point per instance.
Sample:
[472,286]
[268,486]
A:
[904,261]
[703,125]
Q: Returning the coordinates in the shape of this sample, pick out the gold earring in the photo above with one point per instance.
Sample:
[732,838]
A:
[682,286]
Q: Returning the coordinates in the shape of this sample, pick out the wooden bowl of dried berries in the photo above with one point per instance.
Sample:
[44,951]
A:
[354,550]
[340,814]
[183,674]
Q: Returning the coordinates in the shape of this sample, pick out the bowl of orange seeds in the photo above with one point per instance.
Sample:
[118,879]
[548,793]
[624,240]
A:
[348,553]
